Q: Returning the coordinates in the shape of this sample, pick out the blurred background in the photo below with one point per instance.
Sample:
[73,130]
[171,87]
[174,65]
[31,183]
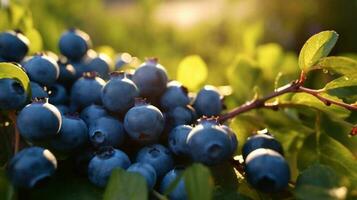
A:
[217,30]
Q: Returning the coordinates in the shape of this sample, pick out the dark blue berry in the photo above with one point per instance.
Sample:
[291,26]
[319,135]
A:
[151,79]
[180,116]
[74,44]
[101,166]
[267,170]
[42,69]
[58,94]
[208,102]
[39,120]
[119,93]
[37,91]
[157,156]
[12,94]
[261,141]
[209,143]
[13,46]
[179,192]
[64,109]
[146,170]
[72,135]
[92,113]
[30,166]
[87,90]
[232,135]
[144,123]
[122,59]
[175,95]
[67,73]
[102,64]
[177,140]
[107,131]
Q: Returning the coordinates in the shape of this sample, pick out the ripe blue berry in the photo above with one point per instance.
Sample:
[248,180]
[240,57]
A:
[12,94]
[146,170]
[102,64]
[180,116]
[42,69]
[63,109]
[122,59]
[39,120]
[74,44]
[208,102]
[261,141]
[87,90]
[267,170]
[119,93]
[179,193]
[177,140]
[92,113]
[209,143]
[107,131]
[175,95]
[58,94]
[72,135]
[151,79]
[13,46]
[233,137]
[37,91]
[67,73]
[144,123]
[101,166]
[30,166]
[157,156]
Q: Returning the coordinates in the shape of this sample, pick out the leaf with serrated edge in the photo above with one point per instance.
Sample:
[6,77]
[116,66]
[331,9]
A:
[337,64]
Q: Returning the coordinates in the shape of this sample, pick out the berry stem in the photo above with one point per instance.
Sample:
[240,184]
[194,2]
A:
[294,87]
[158,195]
[12,116]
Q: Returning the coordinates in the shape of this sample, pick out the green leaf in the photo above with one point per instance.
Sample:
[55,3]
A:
[6,189]
[316,47]
[126,185]
[344,81]
[270,56]
[9,70]
[337,64]
[319,182]
[303,99]
[243,75]
[192,72]
[198,182]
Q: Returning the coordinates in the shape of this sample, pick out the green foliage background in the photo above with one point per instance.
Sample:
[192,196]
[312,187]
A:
[246,58]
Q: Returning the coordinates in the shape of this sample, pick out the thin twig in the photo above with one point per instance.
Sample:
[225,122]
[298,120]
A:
[12,116]
[158,195]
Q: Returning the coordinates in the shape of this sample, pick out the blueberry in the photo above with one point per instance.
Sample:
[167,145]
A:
[13,46]
[122,59]
[87,90]
[157,156]
[261,141]
[101,166]
[233,137]
[64,109]
[267,170]
[92,113]
[72,135]
[209,143]
[3,60]
[42,69]
[58,94]
[177,139]
[208,101]
[74,44]
[180,116]
[80,67]
[144,123]
[151,79]
[37,91]
[12,94]
[107,131]
[31,165]
[146,170]
[67,73]
[179,192]
[175,95]
[102,64]
[119,93]
[39,120]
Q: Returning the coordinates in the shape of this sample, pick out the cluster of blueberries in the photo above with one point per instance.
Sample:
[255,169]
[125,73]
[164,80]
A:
[115,124]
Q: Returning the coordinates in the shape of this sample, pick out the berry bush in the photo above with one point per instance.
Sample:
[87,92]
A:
[79,125]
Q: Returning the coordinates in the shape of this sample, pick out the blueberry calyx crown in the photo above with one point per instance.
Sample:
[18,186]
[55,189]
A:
[208,120]
[90,75]
[40,100]
[152,60]
[264,132]
[105,152]
[140,101]
[118,74]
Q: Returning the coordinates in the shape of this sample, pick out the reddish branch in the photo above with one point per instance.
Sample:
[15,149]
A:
[12,116]
[294,87]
